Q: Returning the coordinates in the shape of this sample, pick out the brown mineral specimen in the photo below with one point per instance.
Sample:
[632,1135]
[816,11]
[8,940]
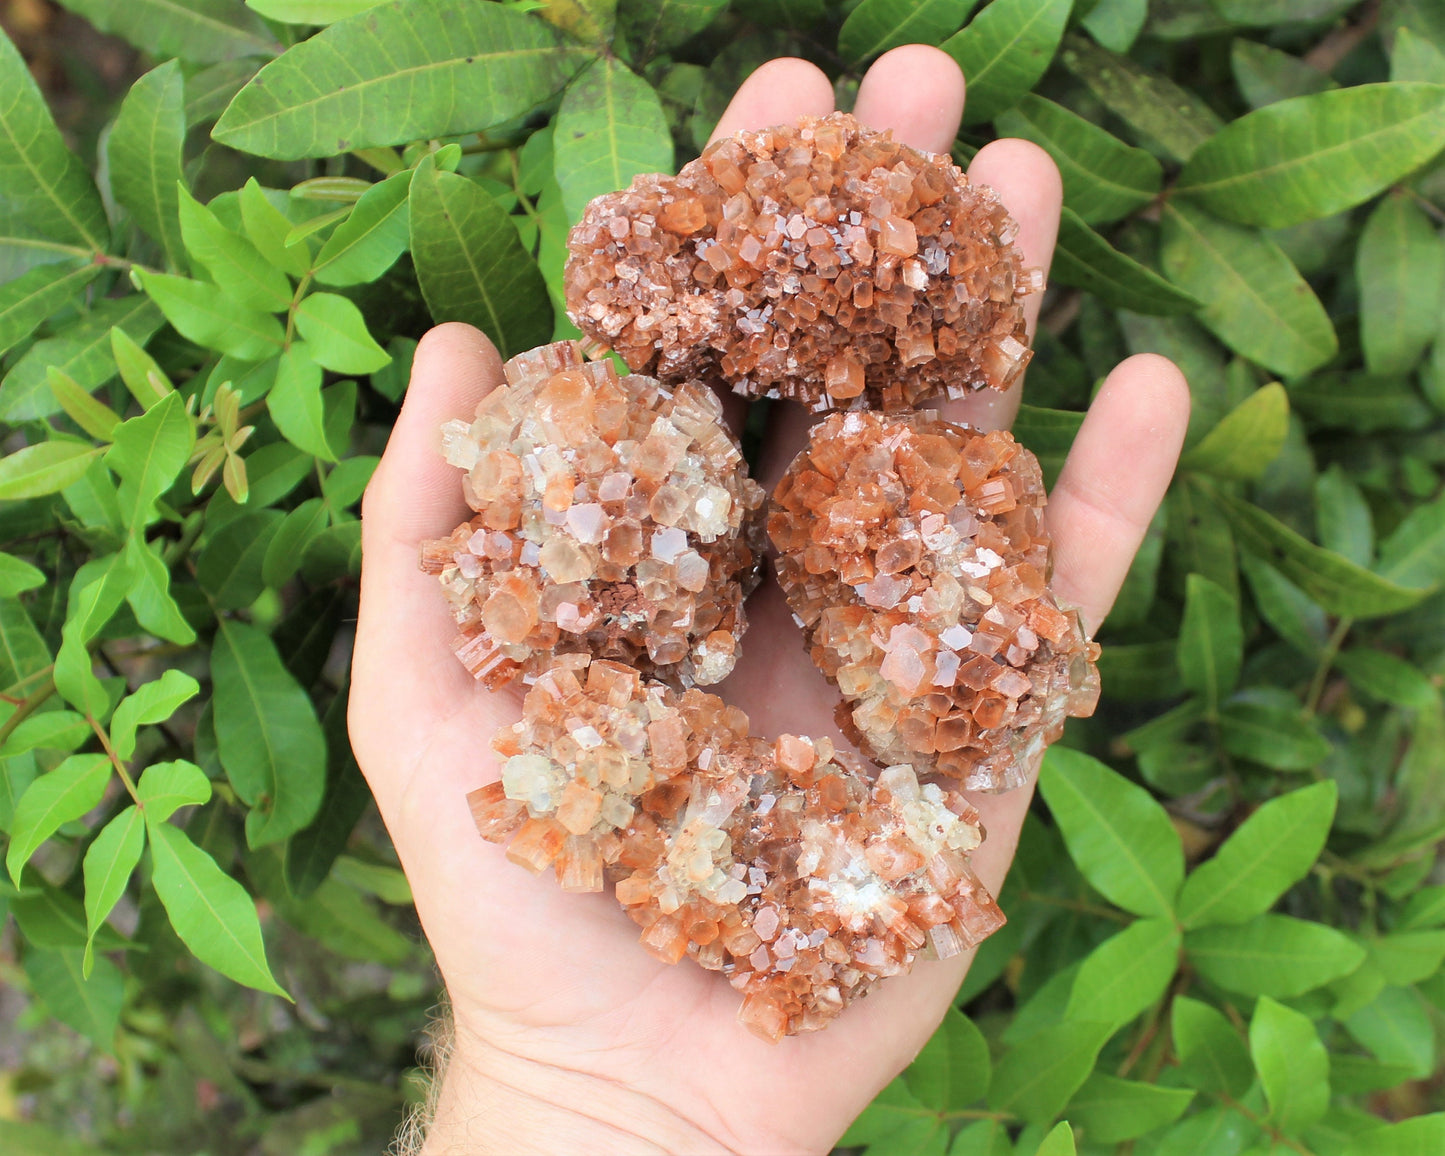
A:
[824,262]
[914,555]
[614,517]
[778,864]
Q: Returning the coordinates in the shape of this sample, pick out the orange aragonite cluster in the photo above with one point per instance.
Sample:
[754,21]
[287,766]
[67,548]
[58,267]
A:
[779,864]
[914,555]
[823,261]
[614,516]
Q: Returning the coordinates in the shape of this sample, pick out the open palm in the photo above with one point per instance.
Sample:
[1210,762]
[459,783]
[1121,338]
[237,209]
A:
[569,1036]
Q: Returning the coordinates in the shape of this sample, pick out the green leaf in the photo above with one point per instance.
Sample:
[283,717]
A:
[471,263]
[1247,440]
[1116,24]
[32,297]
[1254,299]
[237,266]
[1316,155]
[230,569]
[1126,974]
[1160,110]
[205,314]
[210,89]
[896,1116]
[96,593]
[1343,518]
[1004,50]
[94,417]
[1421,1136]
[1211,642]
[144,158]
[47,189]
[65,794]
[53,920]
[148,454]
[167,787]
[82,350]
[1104,179]
[1266,74]
[1036,1078]
[1211,1055]
[44,469]
[1270,851]
[153,702]
[875,26]
[953,1070]
[55,730]
[268,228]
[336,335]
[90,1006]
[653,26]
[138,369]
[1407,957]
[150,596]
[1413,57]
[609,128]
[210,911]
[1385,678]
[1414,553]
[368,242]
[1120,838]
[109,861]
[1398,1028]
[295,402]
[1085,260]
[1059,1141]
[1400,267]
[288,545]
[984,1138]
[1272,955]
[269,740]
[1274,736]
[310,11]
[1198,533]
[406,71]
[17,576]
[1293,1065]
[310,854]
[199,30]
[1110,1110]
[1360,403]
[1337,584]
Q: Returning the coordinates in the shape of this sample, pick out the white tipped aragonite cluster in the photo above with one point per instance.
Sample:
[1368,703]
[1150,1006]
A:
[617,534]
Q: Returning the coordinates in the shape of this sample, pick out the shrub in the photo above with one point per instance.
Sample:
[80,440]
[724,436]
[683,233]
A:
[1223,932]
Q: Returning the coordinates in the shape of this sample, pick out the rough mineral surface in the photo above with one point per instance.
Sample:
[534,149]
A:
[914,555]
[779,864]
[614,516]
[824,262]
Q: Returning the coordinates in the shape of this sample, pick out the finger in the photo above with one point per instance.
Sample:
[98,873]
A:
[1027,181]
[777,92]
[402,654]
[1114,479]
[917,92]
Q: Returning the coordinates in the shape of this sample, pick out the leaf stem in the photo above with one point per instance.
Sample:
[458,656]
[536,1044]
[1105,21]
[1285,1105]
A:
[1327,661]
[1079,905]
[301,287]
[1263,1125]
[29,705]
[115,759]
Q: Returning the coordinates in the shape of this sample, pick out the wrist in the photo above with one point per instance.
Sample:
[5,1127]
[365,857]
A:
[493,1101]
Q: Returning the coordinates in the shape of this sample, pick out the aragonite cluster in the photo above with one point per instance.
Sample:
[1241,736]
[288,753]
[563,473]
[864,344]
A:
[617,534]
[823,261]
[614,516]
[914,555]
[779,863]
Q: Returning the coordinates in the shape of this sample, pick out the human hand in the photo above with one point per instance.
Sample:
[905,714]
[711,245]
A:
[568,1035]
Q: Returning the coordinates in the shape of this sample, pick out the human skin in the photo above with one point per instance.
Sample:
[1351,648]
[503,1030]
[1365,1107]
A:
[568,1036]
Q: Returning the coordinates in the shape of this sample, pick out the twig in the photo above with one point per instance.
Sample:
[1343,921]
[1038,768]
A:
[1341,41]
[29,705]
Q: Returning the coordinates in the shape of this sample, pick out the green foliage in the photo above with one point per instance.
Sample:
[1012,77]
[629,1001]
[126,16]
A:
[1227,929]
